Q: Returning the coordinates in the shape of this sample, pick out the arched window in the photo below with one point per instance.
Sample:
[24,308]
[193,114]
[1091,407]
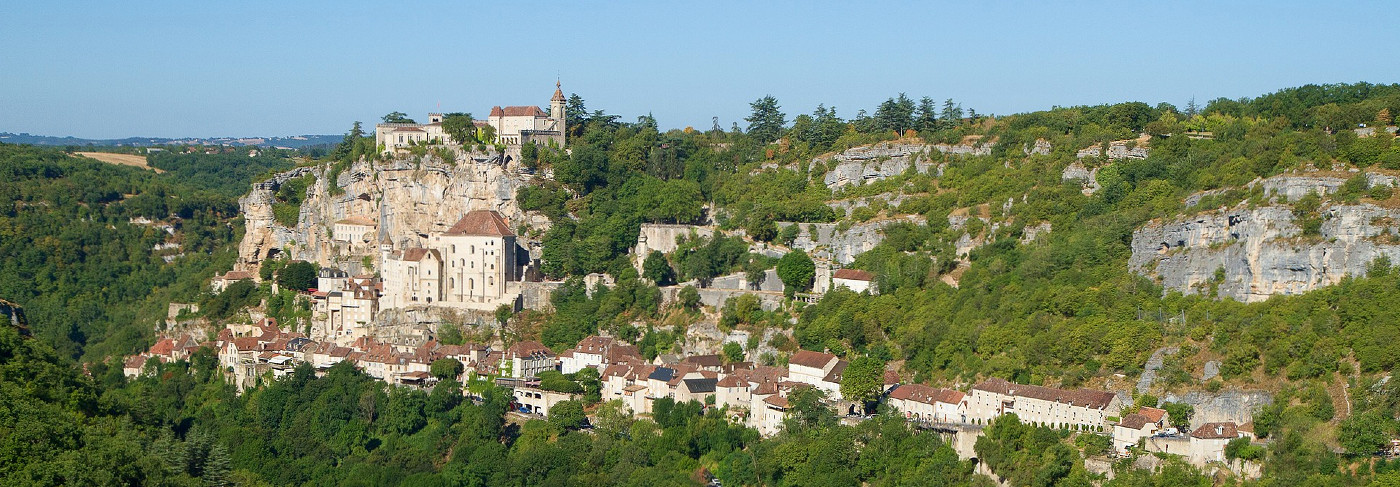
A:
[454,248]
[471,283]
[473,249]
[451,283]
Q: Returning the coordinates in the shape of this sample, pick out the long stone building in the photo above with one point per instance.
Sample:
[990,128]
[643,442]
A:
[1082,408]
[514,125]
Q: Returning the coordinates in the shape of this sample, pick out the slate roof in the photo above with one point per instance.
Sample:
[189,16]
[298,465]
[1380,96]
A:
[700,385]
[663,374]
[481,222]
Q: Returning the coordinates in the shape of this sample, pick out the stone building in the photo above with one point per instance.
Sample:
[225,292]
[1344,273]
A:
[514,125]
[475,264]
[1057,408]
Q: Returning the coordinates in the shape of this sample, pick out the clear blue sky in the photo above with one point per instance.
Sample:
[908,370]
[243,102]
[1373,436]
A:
[174,69]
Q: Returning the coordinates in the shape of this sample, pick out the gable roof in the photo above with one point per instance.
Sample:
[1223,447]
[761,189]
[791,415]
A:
[853,275]
[808,358]
[1152,414]
[1216,431]
[700,385]
[481,222]
[663,374]
[519,111]
[704,360]
[1083,397]
[1135,421]
[417,254]
[357,220]
[925,394]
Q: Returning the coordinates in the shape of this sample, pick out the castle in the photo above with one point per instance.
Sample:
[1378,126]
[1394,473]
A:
[475,264]
[514,125]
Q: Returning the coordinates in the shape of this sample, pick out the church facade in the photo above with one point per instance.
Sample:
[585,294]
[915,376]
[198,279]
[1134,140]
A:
[475,264]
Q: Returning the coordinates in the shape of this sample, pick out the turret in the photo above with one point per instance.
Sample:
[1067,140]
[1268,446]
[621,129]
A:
[556,104]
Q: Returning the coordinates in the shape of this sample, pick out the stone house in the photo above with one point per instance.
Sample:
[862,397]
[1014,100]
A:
[527,359]
[358,229]
[539,401]
[1142,424]
[854,279]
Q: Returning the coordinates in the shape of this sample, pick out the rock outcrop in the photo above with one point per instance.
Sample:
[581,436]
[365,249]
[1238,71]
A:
[1251,253]
[406,198]
[1088,177]
[888,159]
[824,242]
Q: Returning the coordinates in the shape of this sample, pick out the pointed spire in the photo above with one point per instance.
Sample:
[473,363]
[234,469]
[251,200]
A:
[558,92]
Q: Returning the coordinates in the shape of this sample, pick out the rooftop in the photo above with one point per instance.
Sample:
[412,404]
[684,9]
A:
[481,222]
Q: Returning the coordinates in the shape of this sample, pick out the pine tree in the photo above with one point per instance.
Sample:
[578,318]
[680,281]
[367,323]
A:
[217,467]
[767,121]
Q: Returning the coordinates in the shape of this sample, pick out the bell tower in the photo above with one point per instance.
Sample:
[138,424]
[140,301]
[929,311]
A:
[556,104]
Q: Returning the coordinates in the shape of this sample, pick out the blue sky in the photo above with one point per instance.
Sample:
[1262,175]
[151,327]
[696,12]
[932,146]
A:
[204,69]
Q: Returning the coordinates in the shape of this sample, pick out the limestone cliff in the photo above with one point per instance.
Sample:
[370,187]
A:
[1249,253]
[887,159]
[407,198]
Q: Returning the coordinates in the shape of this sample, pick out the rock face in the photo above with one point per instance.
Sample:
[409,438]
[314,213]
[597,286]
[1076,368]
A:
[887,159]
[1233,405]
[822,241]
[407,198]
[1250,254]
[1089,177]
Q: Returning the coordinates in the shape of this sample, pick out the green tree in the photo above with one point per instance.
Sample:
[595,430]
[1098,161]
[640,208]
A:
[460,127]
[1180,413]
[733,352]
[1365,433]
[567,415]
[767,121]
[298,275]
[796,270]
[658,270]
[690,298]
[397,117]
[863,380]
[446,369]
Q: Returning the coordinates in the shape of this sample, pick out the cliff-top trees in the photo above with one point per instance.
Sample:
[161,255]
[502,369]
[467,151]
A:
[460,127]
[766,122]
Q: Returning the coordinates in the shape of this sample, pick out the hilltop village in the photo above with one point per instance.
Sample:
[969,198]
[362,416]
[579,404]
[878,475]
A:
[390,272]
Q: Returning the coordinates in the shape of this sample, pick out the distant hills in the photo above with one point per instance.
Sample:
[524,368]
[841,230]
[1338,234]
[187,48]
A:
[290,142]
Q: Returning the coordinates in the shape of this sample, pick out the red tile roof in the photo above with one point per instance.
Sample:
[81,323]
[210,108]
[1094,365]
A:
[1135,421]
[417,254]
[778,401]
[1083,397]
[808,358]
[704,360]
[481,222]
[1216,431]
[525,111]
[925,394]
[853,275]
[1152,414]
[163,347]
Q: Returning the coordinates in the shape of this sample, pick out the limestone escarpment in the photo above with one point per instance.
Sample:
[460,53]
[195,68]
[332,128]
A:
[888,159]
[1251,253]
[406,198]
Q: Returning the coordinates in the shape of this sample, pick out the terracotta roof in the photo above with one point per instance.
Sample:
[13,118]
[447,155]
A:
[497,112]
[527,348]
[408,129]
[417,254]
[235,275]
[1216,431]
[525,111]
[481,222]
[558,92]
[778,401]
[808,358]
[731,381]
[1135,421]
[595,344]
[1153,415]
[925,394]
[1246,428]
[853,275]
[163,347]
[704,360]
[135,362]
[357,220]
[634,388]
[1083,397]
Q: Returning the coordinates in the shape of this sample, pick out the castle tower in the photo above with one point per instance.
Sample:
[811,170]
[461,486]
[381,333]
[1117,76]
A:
[556,104]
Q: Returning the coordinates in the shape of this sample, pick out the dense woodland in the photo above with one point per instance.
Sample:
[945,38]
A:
[1060,310]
